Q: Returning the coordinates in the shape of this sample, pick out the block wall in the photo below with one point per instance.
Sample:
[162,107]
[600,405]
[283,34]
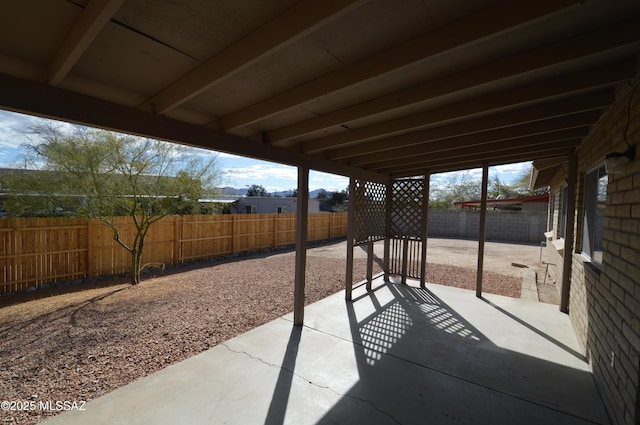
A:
[509,226]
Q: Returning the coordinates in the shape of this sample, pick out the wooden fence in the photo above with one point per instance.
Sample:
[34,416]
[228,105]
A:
[39,251]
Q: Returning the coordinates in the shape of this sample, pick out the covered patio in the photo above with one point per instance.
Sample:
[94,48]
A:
[386,93]
[398,354]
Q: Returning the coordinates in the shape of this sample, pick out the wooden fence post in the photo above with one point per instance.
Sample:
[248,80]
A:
[91,254]
[234,231]
[17,258]
[275,224]
[405,259]
[177,239]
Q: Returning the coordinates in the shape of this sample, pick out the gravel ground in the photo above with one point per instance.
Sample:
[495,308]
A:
[76,343]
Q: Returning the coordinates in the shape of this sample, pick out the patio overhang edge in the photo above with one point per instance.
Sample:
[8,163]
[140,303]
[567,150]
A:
[23,96]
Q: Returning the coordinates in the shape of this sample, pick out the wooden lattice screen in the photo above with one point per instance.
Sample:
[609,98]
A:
[370,212]
[406,228]
[406,208]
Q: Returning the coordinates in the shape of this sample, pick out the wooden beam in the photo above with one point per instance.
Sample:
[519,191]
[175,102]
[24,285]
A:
[514,155]
[425,229]
[558,88]
[569,126]
[567,254]
[422,153]
[348,281]
[547,163]
[489,21]
[455,165]
[95,15]
[302,225]
[483,229]
[387,230]
[49,102]
[298,21]
[603,39]
[531,114]
[370,255]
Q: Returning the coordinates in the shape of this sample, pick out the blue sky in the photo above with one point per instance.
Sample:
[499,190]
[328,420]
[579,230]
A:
[239,172]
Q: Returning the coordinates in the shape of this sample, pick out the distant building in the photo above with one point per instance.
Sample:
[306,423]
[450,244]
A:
[529,203]
[269,205]
[260,204]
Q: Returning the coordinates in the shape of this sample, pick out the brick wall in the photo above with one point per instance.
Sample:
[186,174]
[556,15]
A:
[604,303]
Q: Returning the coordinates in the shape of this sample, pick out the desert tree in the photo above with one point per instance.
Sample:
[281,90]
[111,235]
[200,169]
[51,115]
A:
[105,175]
[257,190]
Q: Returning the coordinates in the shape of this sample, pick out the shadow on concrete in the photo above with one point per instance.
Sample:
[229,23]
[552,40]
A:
[546,336]
[280,398]
[419,361]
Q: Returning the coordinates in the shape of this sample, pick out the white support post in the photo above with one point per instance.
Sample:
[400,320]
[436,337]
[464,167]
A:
[302,221]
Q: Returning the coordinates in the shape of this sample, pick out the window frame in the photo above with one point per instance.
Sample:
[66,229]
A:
[563,212]
[592,222]
[552,212]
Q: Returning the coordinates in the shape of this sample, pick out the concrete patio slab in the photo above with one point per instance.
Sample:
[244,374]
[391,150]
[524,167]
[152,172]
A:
[396,355]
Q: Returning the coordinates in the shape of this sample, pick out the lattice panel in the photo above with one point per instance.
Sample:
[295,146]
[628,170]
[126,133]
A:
[369,213]
[406,208]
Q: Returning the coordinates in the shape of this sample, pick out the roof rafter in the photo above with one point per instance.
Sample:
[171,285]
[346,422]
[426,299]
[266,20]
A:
[547,163]
[606,38]
[475,162]
[463,31]
[562,86]
[95,15]
[517,135]
[49,102]
[296,22]
[531,114]
[530,142]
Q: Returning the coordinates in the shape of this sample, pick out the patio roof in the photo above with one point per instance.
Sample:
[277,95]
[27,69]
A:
[371,89]
[397,354]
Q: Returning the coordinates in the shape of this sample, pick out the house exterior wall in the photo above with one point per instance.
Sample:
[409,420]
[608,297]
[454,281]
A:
[604,303]
[270,204]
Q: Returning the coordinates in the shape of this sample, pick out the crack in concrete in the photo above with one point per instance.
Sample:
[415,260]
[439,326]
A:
[324,387]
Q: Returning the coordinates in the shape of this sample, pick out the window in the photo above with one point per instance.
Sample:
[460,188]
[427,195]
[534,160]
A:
[552,213]
[251,209]
[595,202]
[563,212]
[281,209]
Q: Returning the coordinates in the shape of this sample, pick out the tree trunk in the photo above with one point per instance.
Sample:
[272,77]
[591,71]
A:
[136,257]
[136,260]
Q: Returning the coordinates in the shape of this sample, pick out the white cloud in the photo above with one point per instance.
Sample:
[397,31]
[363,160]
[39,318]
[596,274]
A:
[12,128]
[331,182]
[517,168]
[265,172]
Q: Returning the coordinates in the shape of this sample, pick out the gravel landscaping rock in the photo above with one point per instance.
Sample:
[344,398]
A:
[77,343]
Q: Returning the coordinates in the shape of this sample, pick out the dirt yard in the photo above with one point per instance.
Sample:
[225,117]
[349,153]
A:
[75,343]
